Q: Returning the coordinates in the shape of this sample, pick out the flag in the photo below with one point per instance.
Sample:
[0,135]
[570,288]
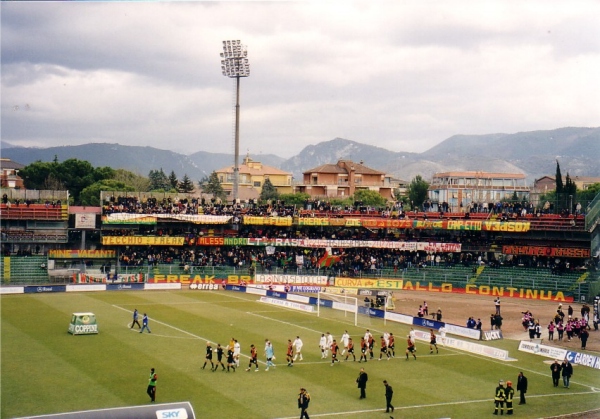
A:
[327,260]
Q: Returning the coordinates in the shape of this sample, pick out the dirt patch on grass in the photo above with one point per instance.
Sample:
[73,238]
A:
[457,308]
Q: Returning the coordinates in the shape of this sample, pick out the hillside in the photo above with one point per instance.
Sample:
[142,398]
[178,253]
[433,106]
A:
[532,153]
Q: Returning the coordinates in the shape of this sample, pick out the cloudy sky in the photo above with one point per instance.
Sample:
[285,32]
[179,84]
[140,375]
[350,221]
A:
[403,75]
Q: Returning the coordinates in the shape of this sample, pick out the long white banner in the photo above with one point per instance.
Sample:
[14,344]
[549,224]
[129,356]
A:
[287,304]
[543,350]
[291,279]
[472,347]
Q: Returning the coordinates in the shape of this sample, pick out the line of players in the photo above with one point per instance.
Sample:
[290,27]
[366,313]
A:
[326,343]
[233,351]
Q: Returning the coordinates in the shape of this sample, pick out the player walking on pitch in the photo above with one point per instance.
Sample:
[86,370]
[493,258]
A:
[253,358]
[298,346]
[410,348]
[289,356]
[323,345]
[432,342]
[345,338]
[335,349]
[350,350]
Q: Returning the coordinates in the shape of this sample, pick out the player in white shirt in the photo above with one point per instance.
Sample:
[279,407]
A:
[386,338]
[442,331]
[237,349]
[323,345]
[412,336]
[329,343]
[298,347]
[345,338]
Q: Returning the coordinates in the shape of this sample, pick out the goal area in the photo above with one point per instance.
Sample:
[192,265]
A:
[340,302]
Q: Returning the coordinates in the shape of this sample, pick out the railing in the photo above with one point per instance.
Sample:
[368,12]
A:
[592,213]
[459,277]
[35,195]
[34,212]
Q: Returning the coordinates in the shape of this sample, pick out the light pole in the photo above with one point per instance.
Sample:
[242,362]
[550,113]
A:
[235,65]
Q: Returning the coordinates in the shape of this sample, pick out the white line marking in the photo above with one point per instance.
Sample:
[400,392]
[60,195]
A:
[421,406]
[179,330]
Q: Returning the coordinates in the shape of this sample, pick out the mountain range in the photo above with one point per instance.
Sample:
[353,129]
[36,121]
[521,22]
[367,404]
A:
[532,153]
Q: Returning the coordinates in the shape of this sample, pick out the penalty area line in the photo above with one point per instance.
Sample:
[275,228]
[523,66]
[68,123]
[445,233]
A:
[421,406]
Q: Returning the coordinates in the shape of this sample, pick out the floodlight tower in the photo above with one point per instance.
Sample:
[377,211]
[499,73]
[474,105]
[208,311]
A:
[235,65]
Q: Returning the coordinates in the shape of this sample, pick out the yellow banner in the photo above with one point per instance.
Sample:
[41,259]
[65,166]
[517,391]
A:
[81,254]
[268,221]
[142,241]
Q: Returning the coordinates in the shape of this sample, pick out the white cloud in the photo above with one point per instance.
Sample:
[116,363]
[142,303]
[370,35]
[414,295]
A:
[399,75]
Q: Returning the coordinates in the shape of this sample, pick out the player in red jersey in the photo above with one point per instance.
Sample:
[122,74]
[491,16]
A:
[410,348]
[253,359]
[290,353]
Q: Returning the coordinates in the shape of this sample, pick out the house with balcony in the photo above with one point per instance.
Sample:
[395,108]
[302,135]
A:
[343,179]
[252,176]
[461,189]
[9,174]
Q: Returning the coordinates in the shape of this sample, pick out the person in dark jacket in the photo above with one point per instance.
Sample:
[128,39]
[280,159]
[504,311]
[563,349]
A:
[303,401]
[567,372]
[521,387]
[555,368]
[361,381]
[389,392]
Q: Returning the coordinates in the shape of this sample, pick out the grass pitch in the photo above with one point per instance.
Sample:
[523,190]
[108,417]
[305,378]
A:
[46,370]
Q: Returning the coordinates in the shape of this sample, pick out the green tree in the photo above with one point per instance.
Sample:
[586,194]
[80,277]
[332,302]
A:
[370,198]
[158,180]
[73,175]
[417,191]
[214,187]
[90,195]
[36,174]
[186,185]
[202,182]
[297,199]
[173,181]
[139,183]
[558,180]
[587,195]
[268,191]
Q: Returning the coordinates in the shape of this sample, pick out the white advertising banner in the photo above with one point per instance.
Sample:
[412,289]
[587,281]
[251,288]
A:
[85,288]
[400,318]
[291,279]
[12,290]
[287,304]
[543,350]
[463,331]
[162,286]
[472,347]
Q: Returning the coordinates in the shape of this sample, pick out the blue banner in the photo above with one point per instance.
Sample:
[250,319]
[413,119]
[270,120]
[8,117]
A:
[373,312]
[587,360]
[304,288]
[324,303]
[277,294]
[235,288]
[125,287]
[429,324]
[45,288]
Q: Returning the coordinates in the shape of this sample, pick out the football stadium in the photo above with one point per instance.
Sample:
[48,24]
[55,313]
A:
[165,305]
